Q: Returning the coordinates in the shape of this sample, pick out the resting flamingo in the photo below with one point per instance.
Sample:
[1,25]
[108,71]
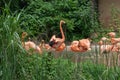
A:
[58,43]
[80,46]
[30,45]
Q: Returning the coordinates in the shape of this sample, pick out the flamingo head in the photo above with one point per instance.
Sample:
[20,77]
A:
[42,41]
[112,34]
[52,41]
[62,21]
[24,34]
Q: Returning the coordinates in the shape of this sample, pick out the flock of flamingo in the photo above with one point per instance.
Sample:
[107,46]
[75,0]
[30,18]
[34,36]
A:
[82,45]
[113,46]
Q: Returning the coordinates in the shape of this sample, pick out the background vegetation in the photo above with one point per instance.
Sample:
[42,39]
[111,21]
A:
[41,17]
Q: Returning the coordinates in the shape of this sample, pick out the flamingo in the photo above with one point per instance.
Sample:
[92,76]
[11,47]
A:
[43,45]
[108,47]
[29,44]
[112,34]
[114,41]
[58,43]
[103,46]
[113,47]
[81,45]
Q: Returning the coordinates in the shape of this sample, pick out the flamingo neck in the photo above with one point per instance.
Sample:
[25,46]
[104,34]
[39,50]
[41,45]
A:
[63,37]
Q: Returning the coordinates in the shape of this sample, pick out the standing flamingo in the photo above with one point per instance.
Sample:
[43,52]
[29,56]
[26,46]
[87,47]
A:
[113,47]
[107,47]
[81,45]
[30,45]
[58,43]
[112,34]
[104,47]
[114,41]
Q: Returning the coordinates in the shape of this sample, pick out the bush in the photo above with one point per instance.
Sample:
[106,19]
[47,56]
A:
[41,18]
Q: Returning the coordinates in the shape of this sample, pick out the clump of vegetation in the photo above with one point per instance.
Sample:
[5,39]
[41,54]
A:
[10,43]
[41,18]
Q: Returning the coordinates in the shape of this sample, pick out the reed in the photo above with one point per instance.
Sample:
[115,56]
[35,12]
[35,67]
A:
[10,44]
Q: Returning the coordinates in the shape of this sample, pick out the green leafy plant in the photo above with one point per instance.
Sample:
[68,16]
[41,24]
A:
[44,17]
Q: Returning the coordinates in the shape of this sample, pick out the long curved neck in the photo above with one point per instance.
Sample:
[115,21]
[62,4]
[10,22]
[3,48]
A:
[61,30]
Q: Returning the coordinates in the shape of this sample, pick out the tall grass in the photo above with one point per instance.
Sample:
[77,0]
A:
[10,44]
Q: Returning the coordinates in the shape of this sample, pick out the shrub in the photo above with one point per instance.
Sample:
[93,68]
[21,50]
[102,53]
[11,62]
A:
[42,16]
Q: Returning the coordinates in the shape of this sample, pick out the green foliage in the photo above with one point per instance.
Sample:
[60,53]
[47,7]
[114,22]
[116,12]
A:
[43,17]
[36,67]
[92,70]
[10,44]
[13,5]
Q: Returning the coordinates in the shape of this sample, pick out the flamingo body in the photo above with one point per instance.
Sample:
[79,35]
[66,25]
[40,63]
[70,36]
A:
[80,46]
[58,43]
[31,45]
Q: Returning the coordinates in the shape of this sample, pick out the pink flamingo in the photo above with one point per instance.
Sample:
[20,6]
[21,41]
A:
[30,45]
[103,46]
[108,47]
[81,45]
[116,44]
[114,41]
[58,43]
[43,45]
[113,47]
